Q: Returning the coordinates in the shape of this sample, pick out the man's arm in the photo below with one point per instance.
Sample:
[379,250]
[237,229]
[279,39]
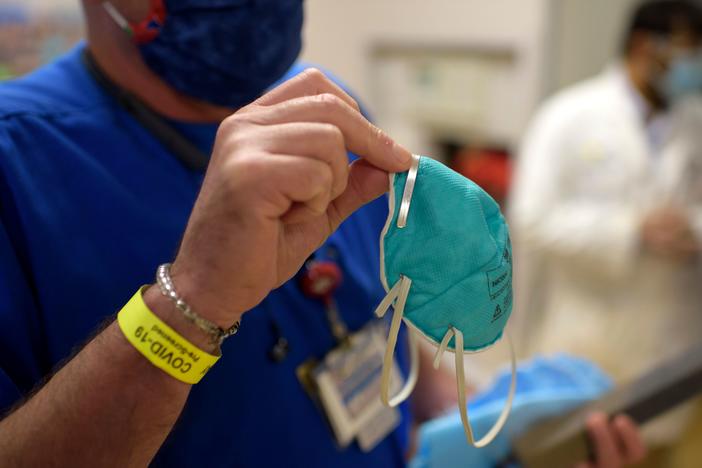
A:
[107,406]
[277,186]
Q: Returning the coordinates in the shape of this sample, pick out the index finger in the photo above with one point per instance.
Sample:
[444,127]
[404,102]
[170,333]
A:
[360,136]
[310,82]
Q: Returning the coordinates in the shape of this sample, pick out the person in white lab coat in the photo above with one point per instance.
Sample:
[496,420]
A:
[608,195]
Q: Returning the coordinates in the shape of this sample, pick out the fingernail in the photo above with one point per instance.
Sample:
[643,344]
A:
[398,152]
[401,154]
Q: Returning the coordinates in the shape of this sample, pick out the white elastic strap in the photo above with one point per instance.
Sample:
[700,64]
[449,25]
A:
[442,348]
[461,382]
[115,15]
[387,301]
[407,193]
[399,291]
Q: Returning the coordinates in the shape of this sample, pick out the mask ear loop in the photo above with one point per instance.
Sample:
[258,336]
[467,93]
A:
[460,383]
[146,30]
[118,18]
[400,292]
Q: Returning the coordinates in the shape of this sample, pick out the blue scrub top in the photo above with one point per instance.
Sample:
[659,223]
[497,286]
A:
[90,204]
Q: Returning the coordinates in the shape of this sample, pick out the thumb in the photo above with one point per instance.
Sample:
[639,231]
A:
[366,183]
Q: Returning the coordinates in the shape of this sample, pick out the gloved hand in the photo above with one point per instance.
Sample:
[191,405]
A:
[278,184]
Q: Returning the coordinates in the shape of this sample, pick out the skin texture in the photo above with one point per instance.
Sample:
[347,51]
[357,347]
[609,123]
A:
[278,184]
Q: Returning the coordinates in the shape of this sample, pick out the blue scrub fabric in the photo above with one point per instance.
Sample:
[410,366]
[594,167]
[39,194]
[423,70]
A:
[90,204]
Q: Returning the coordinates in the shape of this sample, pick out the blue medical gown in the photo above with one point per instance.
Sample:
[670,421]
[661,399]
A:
[90,204]
[546,386]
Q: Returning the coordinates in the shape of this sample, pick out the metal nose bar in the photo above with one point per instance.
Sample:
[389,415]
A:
[407,194]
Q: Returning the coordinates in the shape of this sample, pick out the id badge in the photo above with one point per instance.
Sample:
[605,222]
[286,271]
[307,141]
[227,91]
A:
[347,382]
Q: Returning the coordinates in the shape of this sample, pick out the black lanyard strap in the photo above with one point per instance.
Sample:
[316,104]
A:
[186,152]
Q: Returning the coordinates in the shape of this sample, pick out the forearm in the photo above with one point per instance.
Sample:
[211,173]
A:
[108,406]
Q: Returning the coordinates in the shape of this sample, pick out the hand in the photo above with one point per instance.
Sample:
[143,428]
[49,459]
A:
[278,184]
[667,232]
[616,443]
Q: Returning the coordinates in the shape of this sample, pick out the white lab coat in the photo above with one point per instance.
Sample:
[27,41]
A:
[586,177]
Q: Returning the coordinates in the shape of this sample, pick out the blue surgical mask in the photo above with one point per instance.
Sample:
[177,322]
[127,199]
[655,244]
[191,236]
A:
[226,52]
[446,263]
[684,77]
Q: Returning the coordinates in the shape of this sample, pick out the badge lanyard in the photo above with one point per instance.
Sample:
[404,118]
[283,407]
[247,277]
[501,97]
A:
[186,152]
[319,281]
[346,381]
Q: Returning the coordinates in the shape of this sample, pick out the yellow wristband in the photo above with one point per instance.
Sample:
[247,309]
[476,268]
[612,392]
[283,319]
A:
[162,345]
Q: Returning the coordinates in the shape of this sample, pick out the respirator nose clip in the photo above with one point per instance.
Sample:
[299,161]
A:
[407,194]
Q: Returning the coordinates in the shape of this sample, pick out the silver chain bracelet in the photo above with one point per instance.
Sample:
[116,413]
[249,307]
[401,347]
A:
[165,283]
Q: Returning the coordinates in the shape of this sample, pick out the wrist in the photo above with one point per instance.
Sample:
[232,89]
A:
[165,309]
[203,298]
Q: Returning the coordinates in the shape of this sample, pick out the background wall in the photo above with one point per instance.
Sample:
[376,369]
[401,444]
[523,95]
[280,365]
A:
[342,35]
[588,35]
[553,43]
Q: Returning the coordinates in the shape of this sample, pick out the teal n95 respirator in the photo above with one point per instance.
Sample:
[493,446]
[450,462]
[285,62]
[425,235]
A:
[446,264]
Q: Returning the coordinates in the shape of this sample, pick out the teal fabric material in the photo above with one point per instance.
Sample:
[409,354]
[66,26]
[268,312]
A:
[456,250]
